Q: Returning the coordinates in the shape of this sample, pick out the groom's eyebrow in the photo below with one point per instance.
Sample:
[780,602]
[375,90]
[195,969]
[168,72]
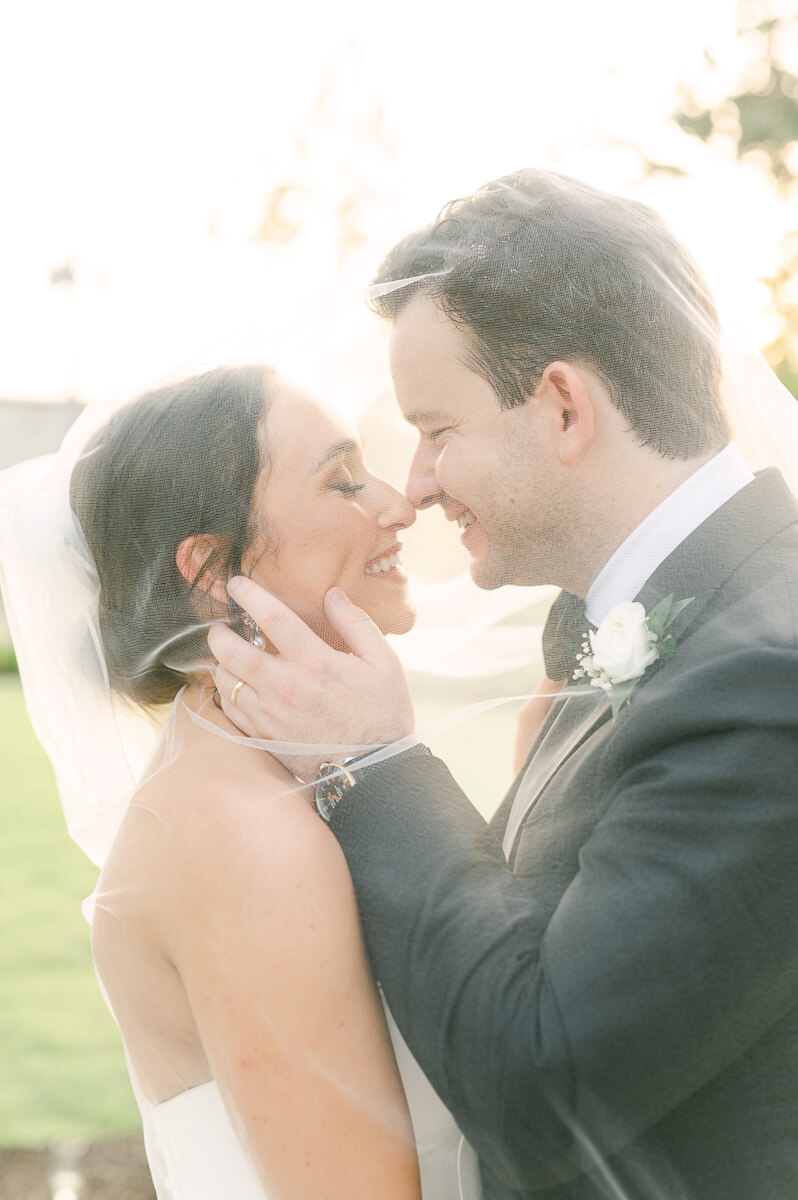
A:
[345,446]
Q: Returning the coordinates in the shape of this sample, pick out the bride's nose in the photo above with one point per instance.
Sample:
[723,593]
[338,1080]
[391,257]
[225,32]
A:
[395,510]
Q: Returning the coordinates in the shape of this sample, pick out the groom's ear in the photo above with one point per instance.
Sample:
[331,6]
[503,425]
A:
[195,557]
[564,398]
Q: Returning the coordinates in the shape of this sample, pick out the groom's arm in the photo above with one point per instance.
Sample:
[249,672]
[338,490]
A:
[554,1038]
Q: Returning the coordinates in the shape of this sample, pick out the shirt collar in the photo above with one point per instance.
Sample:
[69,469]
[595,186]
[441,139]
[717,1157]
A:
[664,529]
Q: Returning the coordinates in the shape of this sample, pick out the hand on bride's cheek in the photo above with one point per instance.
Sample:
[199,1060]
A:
[320,519]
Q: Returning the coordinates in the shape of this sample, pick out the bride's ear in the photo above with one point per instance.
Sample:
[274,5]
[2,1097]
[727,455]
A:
[194,560]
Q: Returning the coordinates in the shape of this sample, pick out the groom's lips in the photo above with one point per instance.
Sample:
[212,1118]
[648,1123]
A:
[467,533]
[465,514]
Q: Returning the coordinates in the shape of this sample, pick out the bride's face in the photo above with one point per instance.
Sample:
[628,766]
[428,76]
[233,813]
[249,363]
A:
[326,519]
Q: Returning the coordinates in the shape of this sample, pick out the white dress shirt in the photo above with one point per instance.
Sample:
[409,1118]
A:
[636,559]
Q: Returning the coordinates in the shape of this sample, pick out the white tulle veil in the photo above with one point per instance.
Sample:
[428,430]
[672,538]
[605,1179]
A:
[101,741]
[98,741]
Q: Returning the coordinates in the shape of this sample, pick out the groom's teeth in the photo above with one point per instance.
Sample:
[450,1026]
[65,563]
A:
[467,519]
[382,565]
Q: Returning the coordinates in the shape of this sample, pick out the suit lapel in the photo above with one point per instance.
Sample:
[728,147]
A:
[498,821]
[579,715]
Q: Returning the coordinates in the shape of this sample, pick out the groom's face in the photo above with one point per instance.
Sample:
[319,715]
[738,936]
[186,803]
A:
[489,468]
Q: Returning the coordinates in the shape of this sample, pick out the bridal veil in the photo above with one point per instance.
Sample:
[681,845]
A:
[83,653]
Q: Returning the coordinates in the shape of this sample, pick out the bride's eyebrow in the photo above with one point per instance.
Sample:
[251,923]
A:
[345,446]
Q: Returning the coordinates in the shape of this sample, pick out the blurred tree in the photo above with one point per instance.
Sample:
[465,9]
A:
[340,170]
[760,120]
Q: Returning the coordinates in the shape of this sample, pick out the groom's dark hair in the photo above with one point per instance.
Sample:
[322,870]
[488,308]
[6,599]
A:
[537,267]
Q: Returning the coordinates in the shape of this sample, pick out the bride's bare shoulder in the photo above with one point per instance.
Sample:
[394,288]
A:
[263,813]
[234,816]
[256,867]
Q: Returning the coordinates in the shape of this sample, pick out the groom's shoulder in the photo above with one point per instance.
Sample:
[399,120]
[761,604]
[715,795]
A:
[747,632]
[758,605]
[780,557]
[736,659]
[735,675]
[765,525]
[742,569]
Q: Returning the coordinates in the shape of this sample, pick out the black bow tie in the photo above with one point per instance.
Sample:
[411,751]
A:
[565,629]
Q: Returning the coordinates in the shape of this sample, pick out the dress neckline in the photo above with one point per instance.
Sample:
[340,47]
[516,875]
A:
[192,1091]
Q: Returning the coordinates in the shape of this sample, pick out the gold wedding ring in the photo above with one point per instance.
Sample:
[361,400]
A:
[236,689]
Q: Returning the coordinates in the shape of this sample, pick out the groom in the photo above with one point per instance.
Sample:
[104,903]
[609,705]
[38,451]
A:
[602,983]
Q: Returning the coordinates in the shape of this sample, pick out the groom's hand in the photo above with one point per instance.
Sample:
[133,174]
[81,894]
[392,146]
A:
[308,692]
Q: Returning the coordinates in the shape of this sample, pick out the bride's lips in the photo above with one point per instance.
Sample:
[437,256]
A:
[386,565]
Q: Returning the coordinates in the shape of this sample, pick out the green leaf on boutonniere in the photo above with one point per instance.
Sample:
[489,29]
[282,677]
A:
[621,694]
[657,619]
[676,608]
[660,618]
[665,613]
[666,647]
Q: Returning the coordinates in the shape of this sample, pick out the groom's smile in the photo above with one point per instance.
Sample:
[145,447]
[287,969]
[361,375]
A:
[469,530]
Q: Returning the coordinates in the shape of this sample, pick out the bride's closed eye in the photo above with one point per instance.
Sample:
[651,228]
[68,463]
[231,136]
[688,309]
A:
[347,487]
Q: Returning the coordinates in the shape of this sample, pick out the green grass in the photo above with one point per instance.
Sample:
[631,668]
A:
[63,1072]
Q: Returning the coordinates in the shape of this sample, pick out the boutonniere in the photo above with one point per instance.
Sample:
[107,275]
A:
[627,642]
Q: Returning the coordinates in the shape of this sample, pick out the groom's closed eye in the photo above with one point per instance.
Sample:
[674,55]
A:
[435,419]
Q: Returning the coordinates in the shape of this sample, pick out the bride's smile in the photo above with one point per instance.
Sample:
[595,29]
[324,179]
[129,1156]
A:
[386,565]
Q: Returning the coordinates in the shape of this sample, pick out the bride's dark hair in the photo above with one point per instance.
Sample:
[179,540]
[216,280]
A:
[177,462]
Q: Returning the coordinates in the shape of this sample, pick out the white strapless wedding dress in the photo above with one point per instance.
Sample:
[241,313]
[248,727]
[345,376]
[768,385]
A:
[194,1153]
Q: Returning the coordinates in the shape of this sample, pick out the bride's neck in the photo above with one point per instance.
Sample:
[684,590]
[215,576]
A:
[202,698]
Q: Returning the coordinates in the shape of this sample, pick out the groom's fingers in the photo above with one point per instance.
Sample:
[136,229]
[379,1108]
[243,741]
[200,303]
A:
[236,710]
[287,632]
[227,687]
[356,627]
[238,656]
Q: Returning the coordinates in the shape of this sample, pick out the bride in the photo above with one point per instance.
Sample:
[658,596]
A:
[225,931]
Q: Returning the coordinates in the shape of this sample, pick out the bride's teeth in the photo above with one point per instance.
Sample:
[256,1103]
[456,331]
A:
[467,519]
[383,565]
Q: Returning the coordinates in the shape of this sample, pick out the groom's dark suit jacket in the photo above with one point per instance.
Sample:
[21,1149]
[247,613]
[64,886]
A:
[615,1012]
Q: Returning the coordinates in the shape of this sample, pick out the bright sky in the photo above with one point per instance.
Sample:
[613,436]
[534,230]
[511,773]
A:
[141,142]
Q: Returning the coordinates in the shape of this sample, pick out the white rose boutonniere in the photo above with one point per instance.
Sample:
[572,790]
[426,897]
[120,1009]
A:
[627,642]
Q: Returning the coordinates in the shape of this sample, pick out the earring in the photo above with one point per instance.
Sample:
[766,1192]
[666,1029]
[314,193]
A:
[256,637]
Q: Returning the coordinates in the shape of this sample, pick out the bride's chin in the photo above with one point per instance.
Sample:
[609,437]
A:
[400,620]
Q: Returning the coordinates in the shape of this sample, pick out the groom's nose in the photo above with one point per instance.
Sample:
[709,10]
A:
[422,488]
